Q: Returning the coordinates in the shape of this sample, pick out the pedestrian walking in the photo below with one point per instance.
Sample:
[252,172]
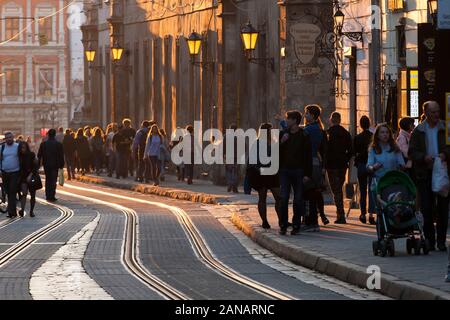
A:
[152,150]
[69,153]
[51,156]
[128,134]
[295,169]
[384,156]
[60,135]
[176,140]
[122,151]
[97,144]
[361,146]
[90,159]
[339,152]
[427,143]
[164,153]
[407,126]
[263,183]
[83,151]
[231,169]
[138,149]
[10,169]
[29,177]
[313,189]
[109,148]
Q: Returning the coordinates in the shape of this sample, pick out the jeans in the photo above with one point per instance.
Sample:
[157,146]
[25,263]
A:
[70,165]
[51,177]
[262,202]
[291,179]
[364,181]
[337,179]
[111,162]
[231,173]
[155,168]
[429,203]
[11,185]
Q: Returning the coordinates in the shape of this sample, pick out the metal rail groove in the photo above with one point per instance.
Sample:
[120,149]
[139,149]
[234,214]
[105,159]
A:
[130,251]
[19,247]
[200,247]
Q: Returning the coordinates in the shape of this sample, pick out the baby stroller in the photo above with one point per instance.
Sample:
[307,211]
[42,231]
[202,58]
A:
[396,215]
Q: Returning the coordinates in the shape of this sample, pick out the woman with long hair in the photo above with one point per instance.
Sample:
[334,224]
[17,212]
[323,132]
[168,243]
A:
[83,151]
[97,144]
[29,166]
[151,154]
[313,189]
[263,183]
[384,156]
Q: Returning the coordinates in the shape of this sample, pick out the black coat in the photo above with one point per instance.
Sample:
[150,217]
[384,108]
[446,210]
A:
[28,164]
[51,154]
[339,150]
[69,145]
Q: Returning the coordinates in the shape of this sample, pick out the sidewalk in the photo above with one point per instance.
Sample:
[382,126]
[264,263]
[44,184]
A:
[341,251]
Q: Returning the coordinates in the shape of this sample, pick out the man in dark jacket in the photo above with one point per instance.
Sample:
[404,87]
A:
[428,142]
[339,154]
[51,156]
[69,153]
[295,169]
[361,148]
[138,148]
[128,133]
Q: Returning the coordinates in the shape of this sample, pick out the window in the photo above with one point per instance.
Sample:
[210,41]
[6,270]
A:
[11,28]
[409,95]
[46,29]
[46,82]
[12,78]
[394,5]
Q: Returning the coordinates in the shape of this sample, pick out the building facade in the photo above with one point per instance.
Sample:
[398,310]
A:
[394,70]
[156,78]
[34,66]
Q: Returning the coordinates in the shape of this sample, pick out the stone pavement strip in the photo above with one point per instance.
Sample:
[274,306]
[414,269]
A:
[344,260]
[62,277]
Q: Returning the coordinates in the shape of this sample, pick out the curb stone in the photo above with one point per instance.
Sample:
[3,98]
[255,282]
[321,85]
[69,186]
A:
[342,270]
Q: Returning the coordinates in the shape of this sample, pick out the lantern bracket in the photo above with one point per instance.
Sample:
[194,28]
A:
[263,62]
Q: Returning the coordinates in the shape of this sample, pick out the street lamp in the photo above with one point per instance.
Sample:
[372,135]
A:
[90,54]
[194,42]
[339,18]
[433,8]
[249,37]
[116,51]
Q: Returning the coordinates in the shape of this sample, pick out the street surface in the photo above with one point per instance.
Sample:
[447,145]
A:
[103,243]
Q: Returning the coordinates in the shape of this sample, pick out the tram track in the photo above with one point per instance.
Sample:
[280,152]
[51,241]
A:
[22,245]
[198,243]
[130,251]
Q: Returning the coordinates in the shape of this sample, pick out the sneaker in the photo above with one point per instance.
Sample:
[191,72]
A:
[363,219]
[442,247]
[283,231]
[21,212]
[229,189]
[295,230]
[32,214]
[372,220]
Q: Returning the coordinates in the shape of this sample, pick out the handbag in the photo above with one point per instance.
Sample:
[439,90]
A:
[35,182]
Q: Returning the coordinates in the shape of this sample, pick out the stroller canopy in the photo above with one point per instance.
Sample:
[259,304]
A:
[396,178]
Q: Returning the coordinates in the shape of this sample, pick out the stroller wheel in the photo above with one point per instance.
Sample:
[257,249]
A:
[383,248]
[391,247]
[425,246]
[417,245]
[375,247]
[409,245]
